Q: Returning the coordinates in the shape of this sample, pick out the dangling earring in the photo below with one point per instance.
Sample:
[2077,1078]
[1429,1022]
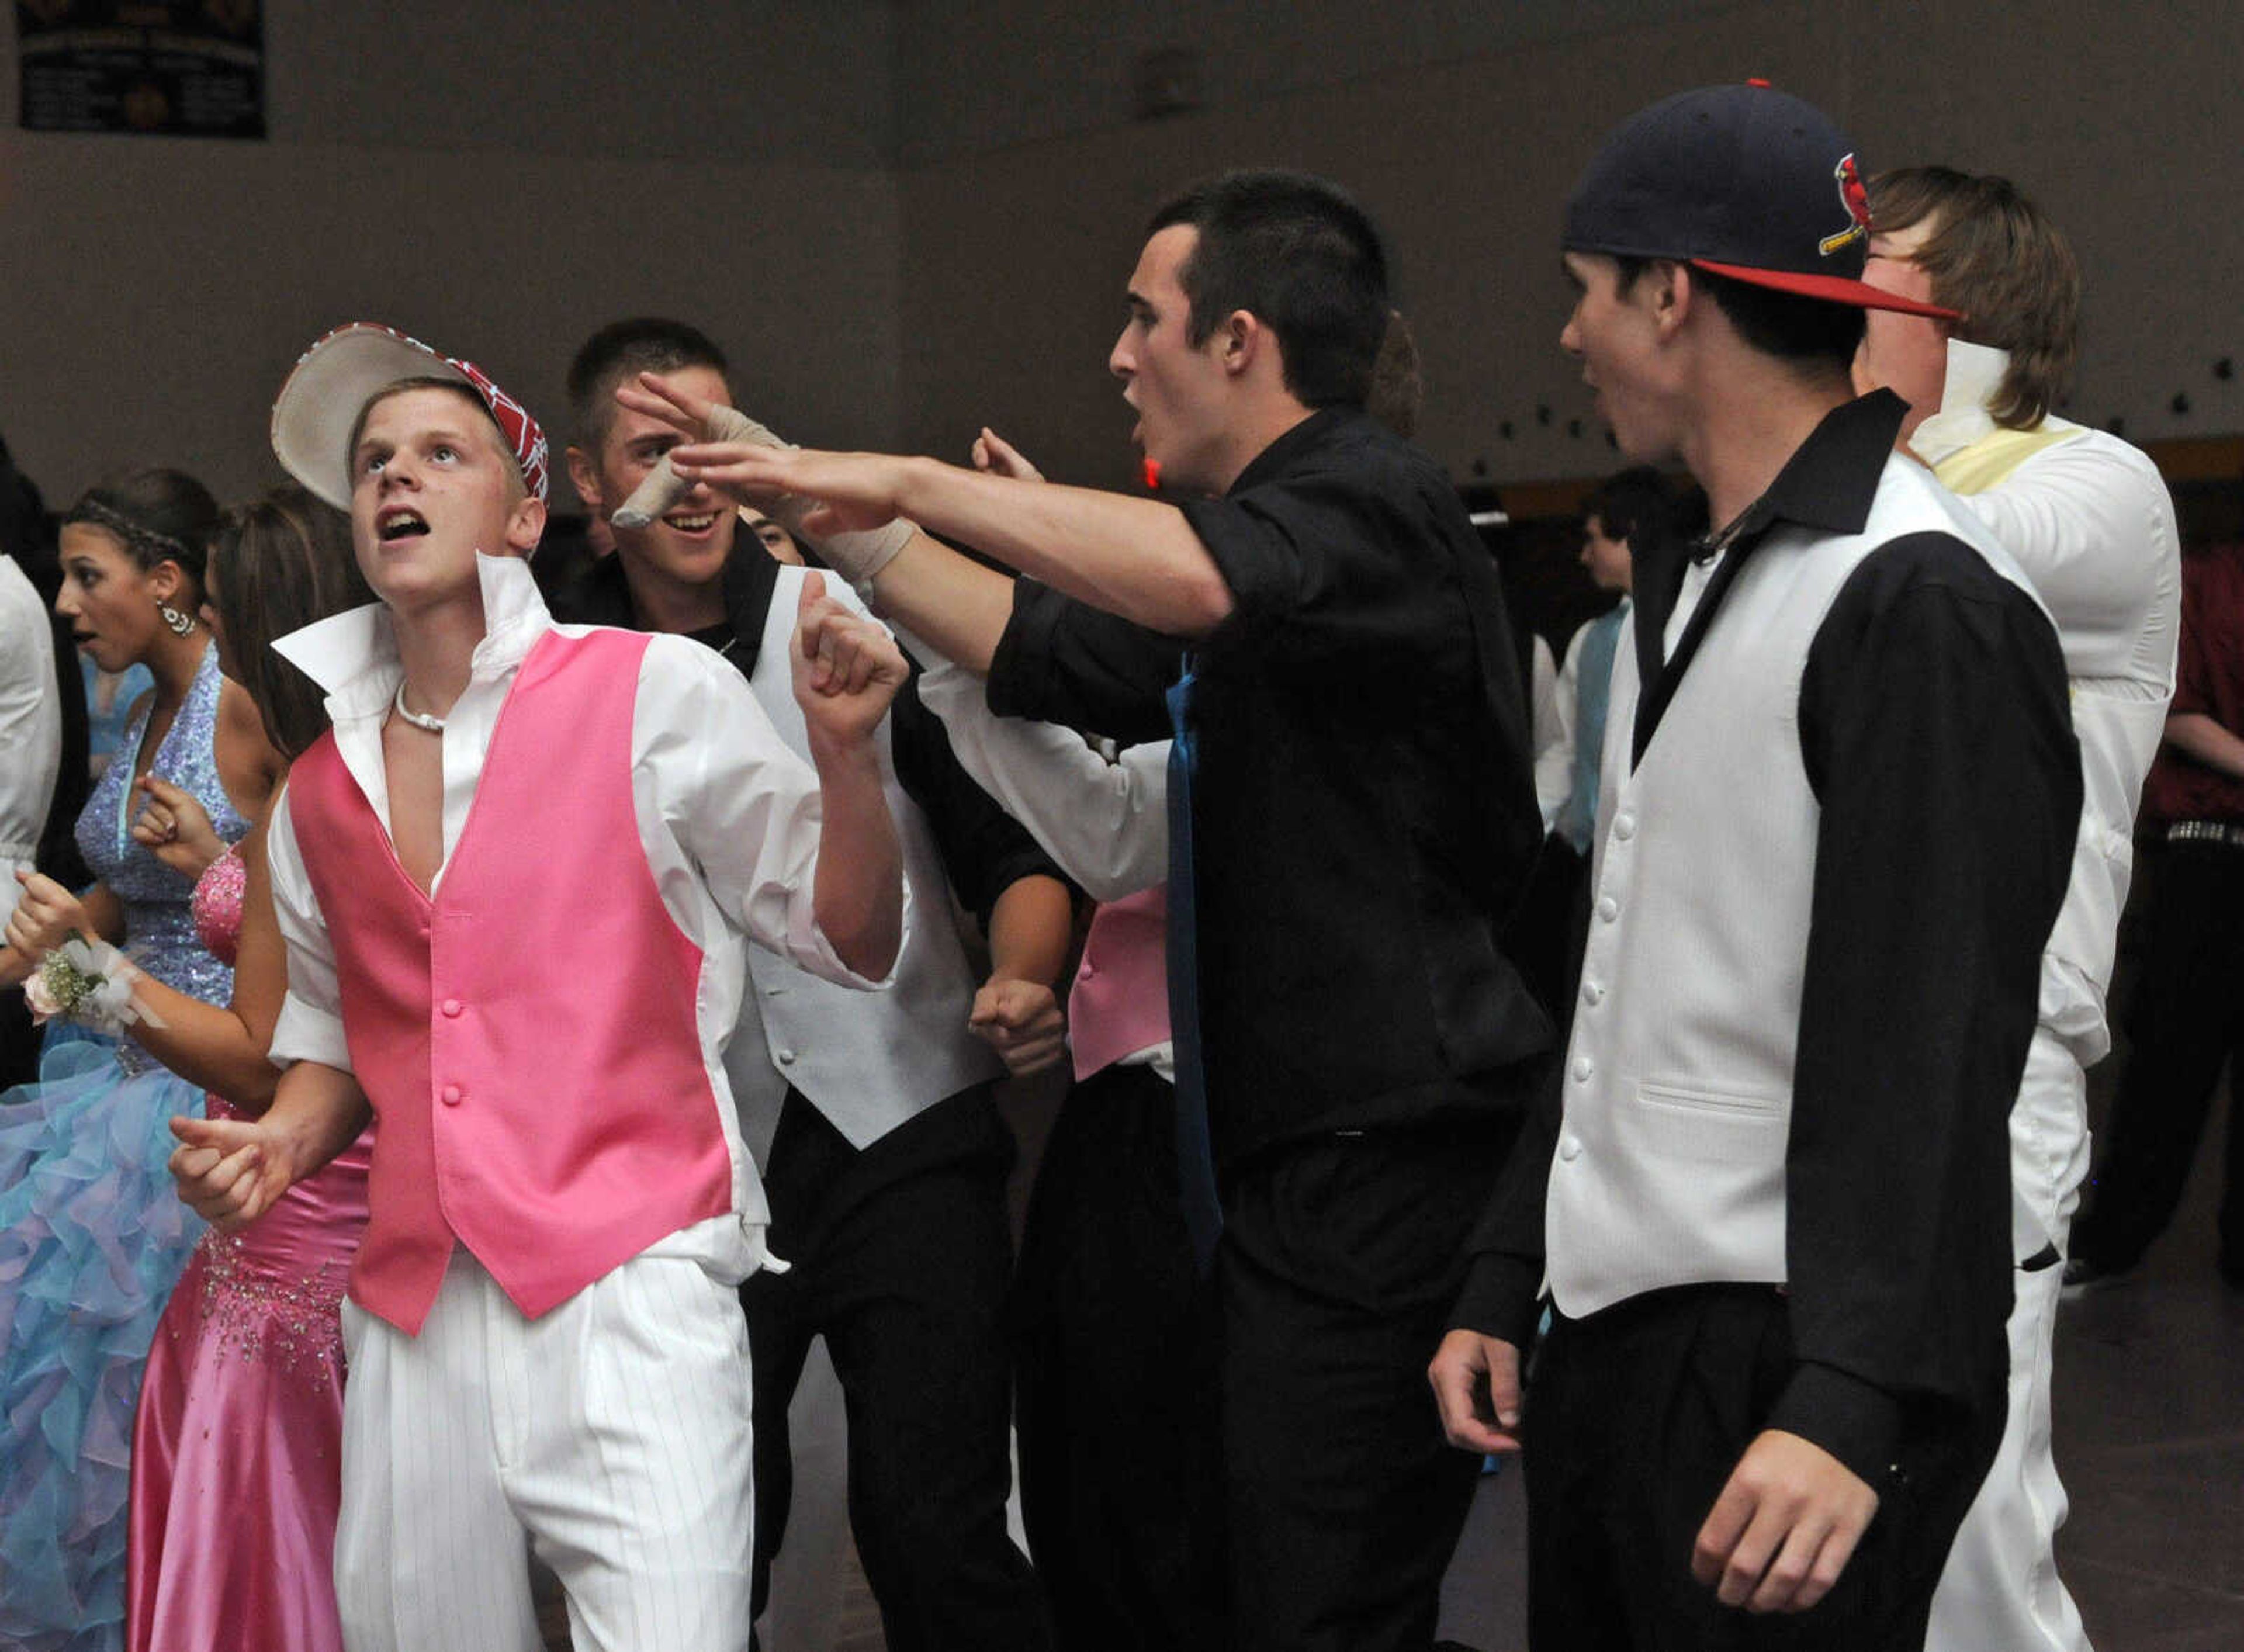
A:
[180,623]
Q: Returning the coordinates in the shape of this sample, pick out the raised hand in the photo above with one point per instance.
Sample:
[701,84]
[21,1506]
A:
[1021,1020]
[46,915]
[847,669]
[175,827]
[1475,1382]
[995,454]
[1784,1527]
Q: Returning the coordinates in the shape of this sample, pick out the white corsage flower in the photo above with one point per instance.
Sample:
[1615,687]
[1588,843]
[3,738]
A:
[90,982]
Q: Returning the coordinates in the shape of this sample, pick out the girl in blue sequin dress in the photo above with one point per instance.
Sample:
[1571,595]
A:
[93,1235]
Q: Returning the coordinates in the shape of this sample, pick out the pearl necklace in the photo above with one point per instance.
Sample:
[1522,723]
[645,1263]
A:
[418,719]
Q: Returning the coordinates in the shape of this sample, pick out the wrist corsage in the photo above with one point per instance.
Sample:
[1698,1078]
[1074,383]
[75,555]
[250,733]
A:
[91,983]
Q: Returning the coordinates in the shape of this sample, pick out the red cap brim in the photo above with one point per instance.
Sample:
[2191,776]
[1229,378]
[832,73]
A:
[1835,289]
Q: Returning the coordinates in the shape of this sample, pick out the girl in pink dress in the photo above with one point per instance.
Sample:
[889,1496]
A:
[236,1443]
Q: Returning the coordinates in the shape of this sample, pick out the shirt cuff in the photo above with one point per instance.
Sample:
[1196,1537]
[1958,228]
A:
[809,948]
[1262,586]
[1501,1298]
[1020,666]
[1857,1422]
[305,1033]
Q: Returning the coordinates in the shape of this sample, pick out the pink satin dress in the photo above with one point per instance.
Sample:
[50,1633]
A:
[237,1445]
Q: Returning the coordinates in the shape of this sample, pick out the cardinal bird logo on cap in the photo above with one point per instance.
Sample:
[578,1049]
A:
[1855,196]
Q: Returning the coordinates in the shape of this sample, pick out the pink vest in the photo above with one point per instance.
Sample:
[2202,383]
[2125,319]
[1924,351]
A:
[528,1037]
[1119,1004]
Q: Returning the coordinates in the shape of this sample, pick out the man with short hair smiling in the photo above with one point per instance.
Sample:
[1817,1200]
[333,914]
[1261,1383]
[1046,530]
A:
[2089,522]
[1353,814]
[874,1121]
[545,1353]
[1771,1200]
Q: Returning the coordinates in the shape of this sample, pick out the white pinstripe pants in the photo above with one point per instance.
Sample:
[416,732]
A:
[612,1435]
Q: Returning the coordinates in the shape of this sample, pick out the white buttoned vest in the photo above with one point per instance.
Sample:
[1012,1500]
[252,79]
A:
[867,1060]
[1678,1083]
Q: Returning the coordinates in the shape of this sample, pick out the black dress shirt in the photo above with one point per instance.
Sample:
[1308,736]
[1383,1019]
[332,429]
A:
[1363,807]
[1935,726]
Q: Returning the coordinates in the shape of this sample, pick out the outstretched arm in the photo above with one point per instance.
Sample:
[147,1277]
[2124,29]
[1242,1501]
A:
[1106,824]
[1137,557]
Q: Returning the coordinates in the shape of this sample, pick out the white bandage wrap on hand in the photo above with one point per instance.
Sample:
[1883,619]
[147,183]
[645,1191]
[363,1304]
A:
[664,487]
[856,557]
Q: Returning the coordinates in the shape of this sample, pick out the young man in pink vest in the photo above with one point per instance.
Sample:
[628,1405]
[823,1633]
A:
[515,884]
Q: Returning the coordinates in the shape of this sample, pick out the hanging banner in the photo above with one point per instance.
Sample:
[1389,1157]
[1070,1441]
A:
[183,68]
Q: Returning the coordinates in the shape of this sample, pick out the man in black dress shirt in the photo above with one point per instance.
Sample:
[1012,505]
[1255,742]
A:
[1361,819]
[1770,1193]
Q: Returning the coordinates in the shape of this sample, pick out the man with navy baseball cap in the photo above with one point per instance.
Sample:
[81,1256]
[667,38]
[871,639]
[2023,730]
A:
[1837,802]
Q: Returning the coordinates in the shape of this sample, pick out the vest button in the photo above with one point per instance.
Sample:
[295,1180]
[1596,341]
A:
[1583,1068]
[450,1095]
[1592,993]
[786,1056]
[1608,910]
[452,1008]
[1623,827]
[1086,972]
[1570,1149]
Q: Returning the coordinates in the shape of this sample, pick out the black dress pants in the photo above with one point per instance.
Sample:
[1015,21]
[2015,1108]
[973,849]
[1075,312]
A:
[1341,1256]
[2186,1019]
[900,1256]
[1634,1419]
[1121,1482]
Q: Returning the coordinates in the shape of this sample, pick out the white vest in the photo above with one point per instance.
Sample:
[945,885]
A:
[867,1060]
[1670,1167]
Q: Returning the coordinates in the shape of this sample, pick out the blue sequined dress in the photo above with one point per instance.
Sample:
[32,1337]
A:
[93,1235]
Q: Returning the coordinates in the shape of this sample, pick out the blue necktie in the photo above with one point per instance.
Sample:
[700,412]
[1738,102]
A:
[1195,1157]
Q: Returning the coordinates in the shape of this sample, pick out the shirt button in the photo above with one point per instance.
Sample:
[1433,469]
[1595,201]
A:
[1570,1149]
[1592,993]
[1608,910]
[786,1058]
[1086,972]
[452,1008]
[1583,1068]
[1623,827]
[451,1095]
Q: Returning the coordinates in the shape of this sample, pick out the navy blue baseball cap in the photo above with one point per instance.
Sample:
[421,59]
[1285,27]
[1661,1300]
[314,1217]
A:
[1743,180]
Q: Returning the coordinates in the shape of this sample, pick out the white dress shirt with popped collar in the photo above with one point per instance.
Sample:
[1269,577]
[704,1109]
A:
[728,817]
